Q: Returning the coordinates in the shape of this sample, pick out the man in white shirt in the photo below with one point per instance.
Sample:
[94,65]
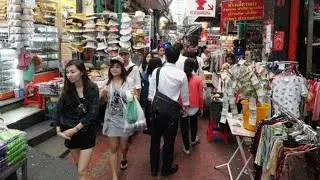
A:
[182,59]
[173,83]
[132,69]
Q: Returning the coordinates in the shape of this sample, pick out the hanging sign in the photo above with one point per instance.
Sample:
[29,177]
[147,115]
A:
[278,41]
[203,8]
[241,10]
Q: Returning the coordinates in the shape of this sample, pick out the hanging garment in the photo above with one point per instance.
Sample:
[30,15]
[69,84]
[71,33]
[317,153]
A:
[316,109]
[287,91]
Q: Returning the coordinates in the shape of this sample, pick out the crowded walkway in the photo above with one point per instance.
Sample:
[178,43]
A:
[198,165]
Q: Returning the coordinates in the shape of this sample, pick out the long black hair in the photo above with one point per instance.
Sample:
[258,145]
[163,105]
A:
[123,74]
[189,65]
[144,62]
[68,86]
[202,50]
[153,64]
[193,55]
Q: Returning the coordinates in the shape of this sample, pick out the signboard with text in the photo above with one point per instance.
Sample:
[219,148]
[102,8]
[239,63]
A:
[241,10]
[203,8]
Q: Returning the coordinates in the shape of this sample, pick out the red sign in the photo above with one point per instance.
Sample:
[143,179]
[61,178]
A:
[278,41]
[242,10]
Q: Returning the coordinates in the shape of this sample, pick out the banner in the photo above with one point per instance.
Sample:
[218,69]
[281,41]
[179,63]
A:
[241,10]
[203,8]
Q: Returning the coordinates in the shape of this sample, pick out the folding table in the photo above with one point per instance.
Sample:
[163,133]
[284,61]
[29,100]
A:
[239,132]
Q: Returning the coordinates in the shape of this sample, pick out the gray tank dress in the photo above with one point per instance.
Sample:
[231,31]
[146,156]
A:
[114,121]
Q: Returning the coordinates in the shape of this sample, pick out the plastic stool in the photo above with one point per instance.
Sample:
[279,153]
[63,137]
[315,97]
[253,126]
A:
[213,131]
[32,96]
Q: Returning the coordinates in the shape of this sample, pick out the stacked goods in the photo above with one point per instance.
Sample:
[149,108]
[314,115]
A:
[13,147]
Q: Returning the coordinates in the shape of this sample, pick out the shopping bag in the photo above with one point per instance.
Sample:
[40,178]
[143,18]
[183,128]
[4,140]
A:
[140,123]
[132,114]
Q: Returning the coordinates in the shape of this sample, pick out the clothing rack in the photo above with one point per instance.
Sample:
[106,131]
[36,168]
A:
[312,134]
[314,75]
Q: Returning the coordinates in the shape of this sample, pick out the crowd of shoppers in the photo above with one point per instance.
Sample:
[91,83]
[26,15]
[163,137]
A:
[169,87]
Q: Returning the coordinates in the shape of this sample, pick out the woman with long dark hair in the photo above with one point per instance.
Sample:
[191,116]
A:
[161,53]
[76,114]
[198,62]
[115,93]
[196,106]
[144,65]
[153,64]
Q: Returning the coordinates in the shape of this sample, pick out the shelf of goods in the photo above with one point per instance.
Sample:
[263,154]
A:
[45,43]
[8,62]
[45,12]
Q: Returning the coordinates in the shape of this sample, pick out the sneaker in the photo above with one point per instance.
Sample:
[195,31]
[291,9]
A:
[197,141]
[124,164]
[187,152]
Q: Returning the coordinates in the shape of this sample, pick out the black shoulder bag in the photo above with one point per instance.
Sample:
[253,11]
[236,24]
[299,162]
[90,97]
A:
[163,105]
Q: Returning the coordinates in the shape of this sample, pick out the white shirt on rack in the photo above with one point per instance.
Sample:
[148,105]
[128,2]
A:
[172,83]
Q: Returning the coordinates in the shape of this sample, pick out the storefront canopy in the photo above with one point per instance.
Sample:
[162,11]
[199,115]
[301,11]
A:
[154,4]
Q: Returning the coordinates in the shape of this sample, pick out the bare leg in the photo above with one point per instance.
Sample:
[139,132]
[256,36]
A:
[75,155]
[84,160]
[114,147]
[124,145]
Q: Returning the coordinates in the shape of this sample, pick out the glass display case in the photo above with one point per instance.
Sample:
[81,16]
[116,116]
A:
[8,63]
[45,43]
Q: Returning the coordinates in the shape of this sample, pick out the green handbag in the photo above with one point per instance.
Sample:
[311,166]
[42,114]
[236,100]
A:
[132,113]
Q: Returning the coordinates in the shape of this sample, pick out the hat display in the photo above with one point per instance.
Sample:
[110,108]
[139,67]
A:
[126,44]
[89,37]
[101,35]
[125,25]
[101,28]
[113,41]
[101,46]
[113,47]
[139,32]
[139,16]
[139,45]
[112,53]
[117,58]
[113,29]
[125,18]
[77,41]
[112,23]
[101,22]
[90,26]
[139,39]
[125,38]
[126,31]
[90,45]
[90,17]
[113,36]
[113,16]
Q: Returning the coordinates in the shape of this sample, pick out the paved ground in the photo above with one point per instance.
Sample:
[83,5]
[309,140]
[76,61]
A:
[197,166]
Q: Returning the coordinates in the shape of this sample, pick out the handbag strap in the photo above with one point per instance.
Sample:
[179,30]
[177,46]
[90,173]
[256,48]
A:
[157,78]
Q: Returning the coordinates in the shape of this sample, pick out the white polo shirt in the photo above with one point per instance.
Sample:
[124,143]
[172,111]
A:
[134,75]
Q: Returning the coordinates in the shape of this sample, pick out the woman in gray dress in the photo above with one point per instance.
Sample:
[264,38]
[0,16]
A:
[115,93]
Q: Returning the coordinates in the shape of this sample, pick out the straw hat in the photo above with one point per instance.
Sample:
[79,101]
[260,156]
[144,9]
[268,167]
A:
[112,23]
[101,22]
[139,45]
[101,28]
[139,32]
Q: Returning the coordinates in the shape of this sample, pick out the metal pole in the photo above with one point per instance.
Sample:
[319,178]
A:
[310,35]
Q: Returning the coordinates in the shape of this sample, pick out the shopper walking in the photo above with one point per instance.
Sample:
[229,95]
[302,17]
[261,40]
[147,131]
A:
[196,106]
[148,92]
[131,69]
[115,93]
[76,115]
[168,83]
[144,65]
[161,53]
[180,63]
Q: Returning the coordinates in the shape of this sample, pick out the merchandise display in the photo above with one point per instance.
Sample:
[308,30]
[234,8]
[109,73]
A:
[45,13]
[8,57]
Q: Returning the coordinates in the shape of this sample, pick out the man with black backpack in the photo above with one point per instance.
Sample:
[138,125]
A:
[169,83]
